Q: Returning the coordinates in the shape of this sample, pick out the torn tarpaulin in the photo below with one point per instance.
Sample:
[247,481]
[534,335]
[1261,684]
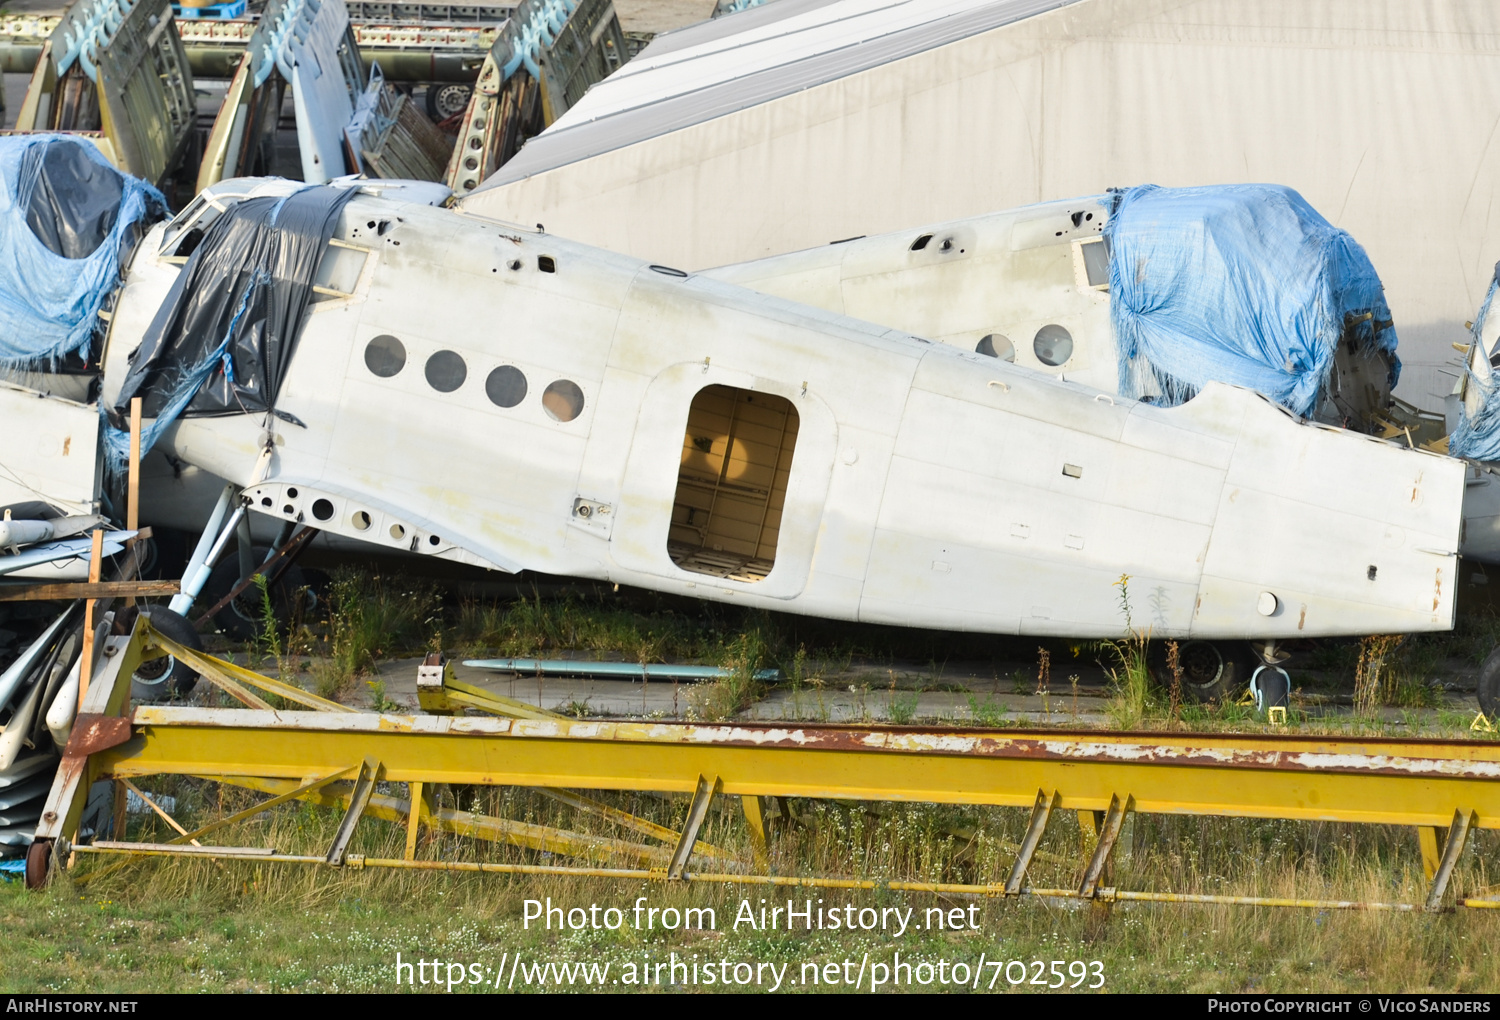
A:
[1477,436]
[1241,283]
[224,335]
[66,218]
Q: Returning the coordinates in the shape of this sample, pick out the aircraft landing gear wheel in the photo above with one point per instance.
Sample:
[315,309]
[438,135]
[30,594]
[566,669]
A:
[1489,685]
[163,678]
[244,619]
[1211,670]
[447,99]
[38,863]
[1271,688]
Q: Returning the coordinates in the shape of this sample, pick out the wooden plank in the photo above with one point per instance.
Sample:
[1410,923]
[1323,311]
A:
[86,590]
[86,664]
[133,493]
[133,487]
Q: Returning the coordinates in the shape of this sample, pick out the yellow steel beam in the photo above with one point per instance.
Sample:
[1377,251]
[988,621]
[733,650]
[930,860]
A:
[1273,776]
[469,823]
[629,821]
[230,676]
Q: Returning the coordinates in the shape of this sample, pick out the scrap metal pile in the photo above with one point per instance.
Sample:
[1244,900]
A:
[121,75]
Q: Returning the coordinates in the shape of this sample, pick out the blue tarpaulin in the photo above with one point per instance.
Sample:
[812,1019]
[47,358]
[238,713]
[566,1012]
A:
[1243,284]
[65,213]
[1478,436]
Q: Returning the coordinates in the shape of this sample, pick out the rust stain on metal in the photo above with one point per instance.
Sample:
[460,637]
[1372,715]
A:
[1424,758]
[1302,619]
[93,733]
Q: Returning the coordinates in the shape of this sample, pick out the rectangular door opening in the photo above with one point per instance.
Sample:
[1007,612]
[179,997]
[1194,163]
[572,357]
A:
[731,485]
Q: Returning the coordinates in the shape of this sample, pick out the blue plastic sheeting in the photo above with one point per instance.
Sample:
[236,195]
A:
[1478,438]
[1242,284]
[65,214]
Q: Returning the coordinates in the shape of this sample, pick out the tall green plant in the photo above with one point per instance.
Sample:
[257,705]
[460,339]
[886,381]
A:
[1131,679]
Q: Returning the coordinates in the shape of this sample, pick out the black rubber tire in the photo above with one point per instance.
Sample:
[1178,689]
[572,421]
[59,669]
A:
[444,99]
[1211,670]
[243,619]
[1275,688]
[163,678]
[1489,685]
[166,555]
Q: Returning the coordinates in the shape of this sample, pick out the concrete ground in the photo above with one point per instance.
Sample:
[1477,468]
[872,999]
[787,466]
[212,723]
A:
[959,693]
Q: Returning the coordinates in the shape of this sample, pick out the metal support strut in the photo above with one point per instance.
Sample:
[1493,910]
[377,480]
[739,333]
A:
[1104,776]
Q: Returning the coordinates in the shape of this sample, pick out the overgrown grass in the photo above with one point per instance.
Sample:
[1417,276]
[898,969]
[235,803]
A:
[181,925]
[372,617]
[723,699]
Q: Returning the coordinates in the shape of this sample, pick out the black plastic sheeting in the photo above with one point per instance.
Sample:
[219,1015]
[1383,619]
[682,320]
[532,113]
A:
[74,201]
[252,276]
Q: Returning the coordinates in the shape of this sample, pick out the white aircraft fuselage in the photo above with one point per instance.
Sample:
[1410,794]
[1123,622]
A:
[686,435]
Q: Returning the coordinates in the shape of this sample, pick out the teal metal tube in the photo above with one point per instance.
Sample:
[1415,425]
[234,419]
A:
[612,670]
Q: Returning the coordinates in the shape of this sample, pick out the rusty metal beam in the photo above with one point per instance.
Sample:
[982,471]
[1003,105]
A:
[629,821]
[413,817]
[1310,778]
[755,822]
[1109,832]
[359,799]
[1041,811]
[1425,783]
[703,794]
[471,824]
[1458,835]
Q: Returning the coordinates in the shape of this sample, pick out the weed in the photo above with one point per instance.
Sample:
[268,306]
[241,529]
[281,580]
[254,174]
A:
[1132,679]
[796,670]
[580,709]
[1369,677]
[723,699]
[987,712]
[901,708]
[535,625]
[371,618]
[378,700]
[1174,668]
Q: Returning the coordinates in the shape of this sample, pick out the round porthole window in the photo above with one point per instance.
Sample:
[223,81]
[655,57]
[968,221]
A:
[506,386]
[997,346]
[563,400]
[446,371]
[322,509]
[1053,345]
[385,356]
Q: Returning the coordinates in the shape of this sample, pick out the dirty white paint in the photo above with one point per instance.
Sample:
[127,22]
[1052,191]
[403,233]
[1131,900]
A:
[1003,275]
[1036,494]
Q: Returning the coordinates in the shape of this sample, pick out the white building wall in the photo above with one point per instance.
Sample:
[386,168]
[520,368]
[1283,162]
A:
[1384,114]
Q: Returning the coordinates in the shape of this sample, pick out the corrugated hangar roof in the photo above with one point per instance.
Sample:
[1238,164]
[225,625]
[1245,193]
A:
[707,70]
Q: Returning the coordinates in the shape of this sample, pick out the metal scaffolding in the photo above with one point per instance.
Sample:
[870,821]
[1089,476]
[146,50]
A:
[334,756]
